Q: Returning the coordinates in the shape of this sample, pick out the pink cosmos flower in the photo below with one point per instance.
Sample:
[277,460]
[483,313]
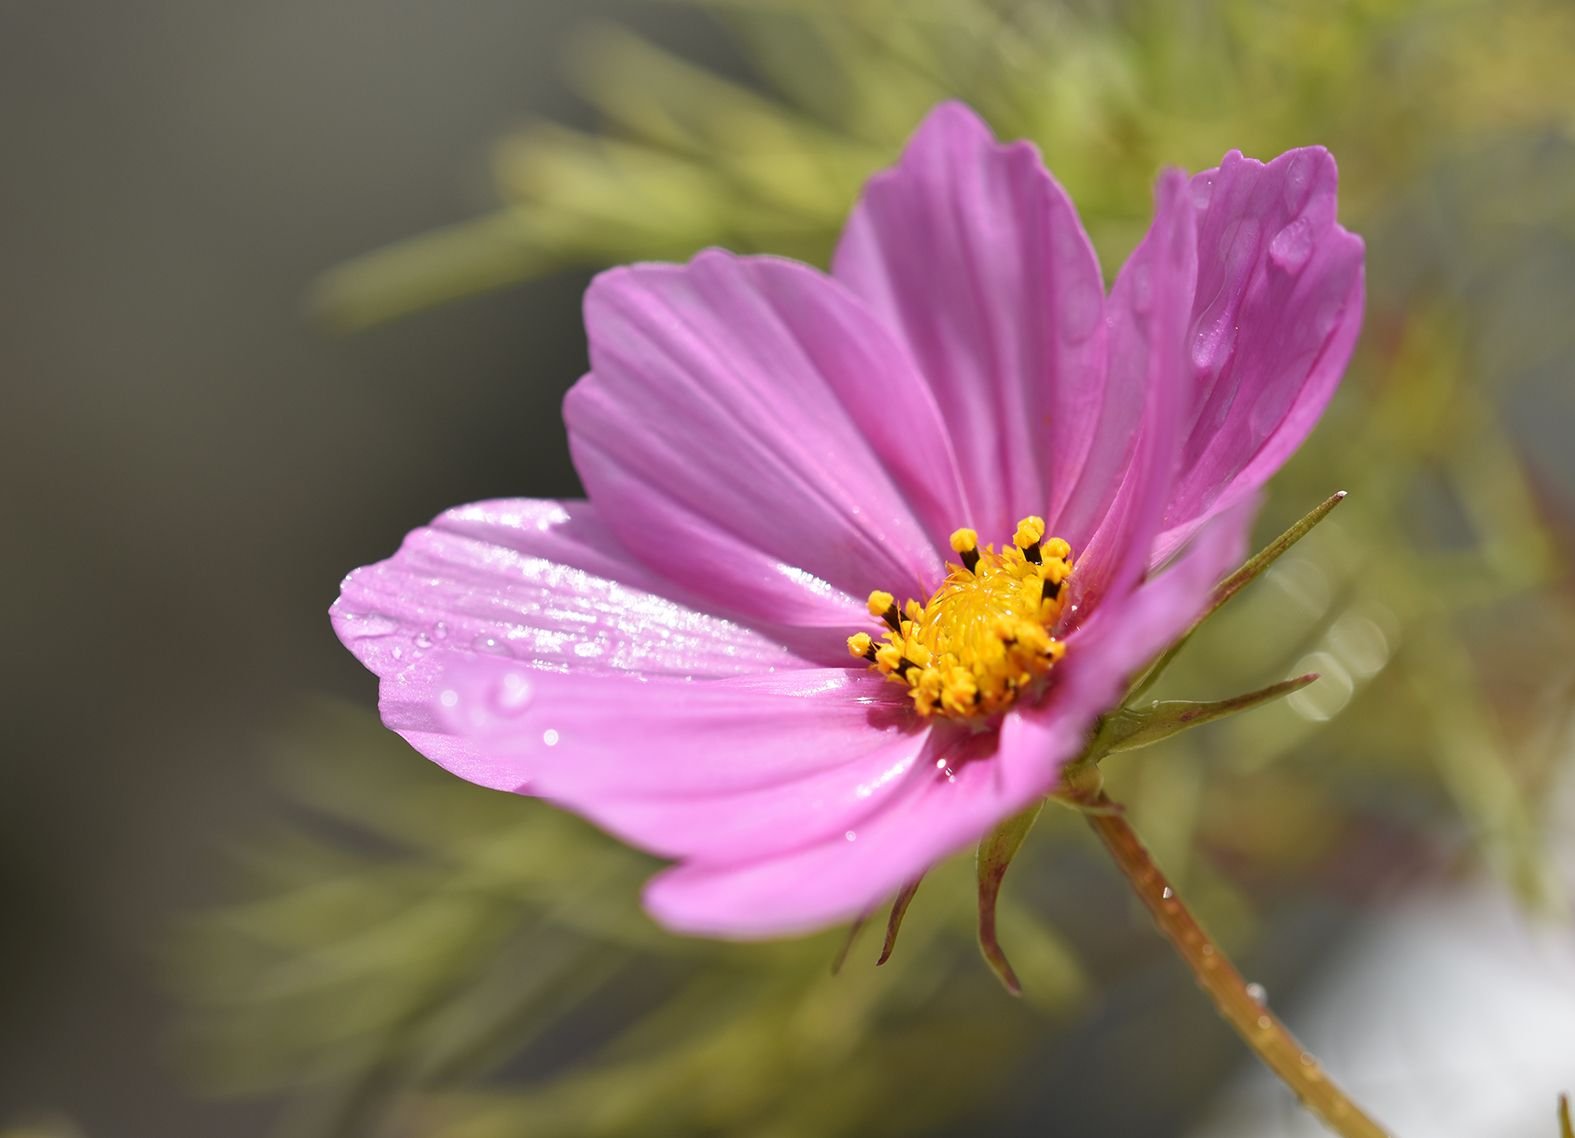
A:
[779,464]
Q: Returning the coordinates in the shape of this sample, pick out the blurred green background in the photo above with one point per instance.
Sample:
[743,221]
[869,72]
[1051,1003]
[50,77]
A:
[284,280]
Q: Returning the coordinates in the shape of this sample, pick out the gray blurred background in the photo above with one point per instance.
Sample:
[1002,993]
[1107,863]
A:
[190,465]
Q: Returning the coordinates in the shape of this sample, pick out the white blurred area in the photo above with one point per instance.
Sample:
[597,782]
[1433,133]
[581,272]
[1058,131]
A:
[1451,1015]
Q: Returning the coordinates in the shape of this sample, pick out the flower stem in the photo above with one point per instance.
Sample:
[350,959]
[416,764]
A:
[1256,1024]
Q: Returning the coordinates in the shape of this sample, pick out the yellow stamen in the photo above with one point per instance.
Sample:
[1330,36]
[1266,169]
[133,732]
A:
[984,635]
[965,543]
[1030,531]
[884,605]
[862,645]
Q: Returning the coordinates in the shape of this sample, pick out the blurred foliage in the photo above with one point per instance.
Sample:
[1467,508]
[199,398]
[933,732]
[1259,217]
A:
[424,958]
[410,933]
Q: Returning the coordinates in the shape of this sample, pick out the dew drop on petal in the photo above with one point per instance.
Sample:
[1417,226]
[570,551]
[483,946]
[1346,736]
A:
[490,645]
[440,631]
[513,693]
[1292,246]
[1257,993]
[550,737]
[423,640]
[449,698]
[850,836]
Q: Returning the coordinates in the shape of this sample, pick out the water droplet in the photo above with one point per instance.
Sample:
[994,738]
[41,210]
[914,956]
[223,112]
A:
[851,836]
[1212,343]
[550,737]
[490,645]
[397,652]
[440,631]
[423,640]
[1202,192]
[1264,1023]
[512,695]
[1257,993]
[1167,894]
[449,698]
[1292,246]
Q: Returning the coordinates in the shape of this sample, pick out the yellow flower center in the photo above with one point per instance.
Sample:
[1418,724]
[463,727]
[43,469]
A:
[984,634]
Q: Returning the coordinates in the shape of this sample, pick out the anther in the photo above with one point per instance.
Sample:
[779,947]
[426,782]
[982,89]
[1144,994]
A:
[965,543]
[884,605]
[862,646]
[1030,532]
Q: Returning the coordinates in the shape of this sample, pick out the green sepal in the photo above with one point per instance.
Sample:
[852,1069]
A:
[1250,570]
[1134,727]
[996,852]
[899,909]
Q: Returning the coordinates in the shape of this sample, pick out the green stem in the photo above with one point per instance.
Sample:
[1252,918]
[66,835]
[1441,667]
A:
[1260,1028]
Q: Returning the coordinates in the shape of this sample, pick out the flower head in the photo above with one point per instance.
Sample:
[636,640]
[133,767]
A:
[866,555]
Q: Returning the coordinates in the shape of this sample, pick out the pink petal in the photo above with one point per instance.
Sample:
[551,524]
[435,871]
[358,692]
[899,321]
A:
[973,253]
[1126,635]
[538,582]
[1278,309]
[750,431]
[709,769]
[1147,320]
[980,779]
[931,814]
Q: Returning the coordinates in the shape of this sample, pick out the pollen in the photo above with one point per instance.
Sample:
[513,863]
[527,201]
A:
[984,636]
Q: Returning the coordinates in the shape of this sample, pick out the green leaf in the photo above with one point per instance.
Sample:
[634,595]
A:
[1131,728]
[899,909]
[1250,570]
[996,852]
